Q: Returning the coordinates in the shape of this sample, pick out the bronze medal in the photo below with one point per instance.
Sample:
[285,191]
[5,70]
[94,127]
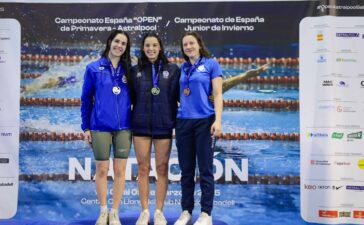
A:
[186,91]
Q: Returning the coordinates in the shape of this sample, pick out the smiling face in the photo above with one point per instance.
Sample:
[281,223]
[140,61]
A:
[151,48]
[191,47]
[118,46]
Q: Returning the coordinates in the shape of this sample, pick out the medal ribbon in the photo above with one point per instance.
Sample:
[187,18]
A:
[155,73]
[116,73]
[188,74]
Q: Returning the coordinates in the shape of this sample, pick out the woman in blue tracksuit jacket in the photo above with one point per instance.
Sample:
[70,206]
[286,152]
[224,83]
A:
[155,90]
[105,112]
[198,124]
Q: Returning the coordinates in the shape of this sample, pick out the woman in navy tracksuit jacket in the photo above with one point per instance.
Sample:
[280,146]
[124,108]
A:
[155,90]
[105,112]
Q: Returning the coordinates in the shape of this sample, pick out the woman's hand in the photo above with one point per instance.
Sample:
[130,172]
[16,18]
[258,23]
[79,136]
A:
[216,129]
[88,138]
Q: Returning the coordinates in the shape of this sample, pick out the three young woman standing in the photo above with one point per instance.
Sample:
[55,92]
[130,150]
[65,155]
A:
[155,86]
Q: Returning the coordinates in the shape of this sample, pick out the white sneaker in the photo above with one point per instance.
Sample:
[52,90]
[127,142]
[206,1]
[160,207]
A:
[102,220]
[159,218]
[114,218]
[203,219]
[184,219]
[143,218]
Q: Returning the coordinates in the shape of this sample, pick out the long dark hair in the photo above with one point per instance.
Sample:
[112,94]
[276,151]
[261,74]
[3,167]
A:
[125,57]
[144,59]
[203,50]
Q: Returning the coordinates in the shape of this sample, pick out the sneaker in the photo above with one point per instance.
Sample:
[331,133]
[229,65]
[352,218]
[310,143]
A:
[203,219]
[114,218]
[102,220]
[143,218]
[184,218]
[159,218]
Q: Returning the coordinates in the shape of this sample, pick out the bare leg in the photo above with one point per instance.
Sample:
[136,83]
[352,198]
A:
[162,153]
[142,146]
[119,181]
[102,168]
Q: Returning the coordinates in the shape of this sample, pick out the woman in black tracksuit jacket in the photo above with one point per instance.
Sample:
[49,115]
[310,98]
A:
[155,88]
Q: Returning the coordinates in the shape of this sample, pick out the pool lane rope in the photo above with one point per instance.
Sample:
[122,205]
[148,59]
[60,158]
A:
[74,136]
[252,179]
[276,105]
[285,61]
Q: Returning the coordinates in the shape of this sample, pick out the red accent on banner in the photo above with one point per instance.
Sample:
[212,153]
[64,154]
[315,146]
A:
[358,214]
[328,214]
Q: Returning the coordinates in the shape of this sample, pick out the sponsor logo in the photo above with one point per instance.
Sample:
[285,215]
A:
[358,214]
[345,60]
[320,36]
[362,83]
[344,214]
[4,160]
[361,164]
[342,84]
[320,163]
[321,59]
[337,135]
[6,184]
[355,188]
[345,109]
[321,187]
[327,107]
[342,163]
[1,60]
[327,83]
[328,213]
[348,35]
[317,135]
[357,135]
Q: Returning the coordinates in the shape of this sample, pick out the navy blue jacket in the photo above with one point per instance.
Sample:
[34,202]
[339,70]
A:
[154,114]
[101,109]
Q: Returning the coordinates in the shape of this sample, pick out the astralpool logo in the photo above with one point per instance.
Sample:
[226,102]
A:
[345,60]
[356,135]
[321,59]
[337,135]
[347,35]
[317,135]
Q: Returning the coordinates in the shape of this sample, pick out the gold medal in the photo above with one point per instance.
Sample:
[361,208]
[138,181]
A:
[186,91]
[155,90]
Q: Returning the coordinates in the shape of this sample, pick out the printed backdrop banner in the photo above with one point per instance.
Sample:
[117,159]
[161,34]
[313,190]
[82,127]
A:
[256,161]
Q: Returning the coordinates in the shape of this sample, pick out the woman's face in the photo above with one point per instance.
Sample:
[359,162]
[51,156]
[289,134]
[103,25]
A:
[151,48]
[191,47]
[118,45]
